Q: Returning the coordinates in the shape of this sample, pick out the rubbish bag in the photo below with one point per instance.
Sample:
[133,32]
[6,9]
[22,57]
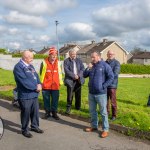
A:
[148,103]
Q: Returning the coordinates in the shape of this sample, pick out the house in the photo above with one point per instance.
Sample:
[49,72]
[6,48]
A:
[66,48]
[141,58]
[44,51]
[103,47]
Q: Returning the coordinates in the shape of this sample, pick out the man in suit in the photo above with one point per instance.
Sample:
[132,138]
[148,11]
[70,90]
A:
[73,68]
[28,86]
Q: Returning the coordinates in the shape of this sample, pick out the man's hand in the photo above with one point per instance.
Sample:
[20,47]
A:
[76,77]
[90,65]
[39,88]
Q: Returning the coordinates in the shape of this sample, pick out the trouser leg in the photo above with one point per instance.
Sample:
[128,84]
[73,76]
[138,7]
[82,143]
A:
[25,106]
[34,113]
[102,102]
[46,98]
[77,96]
[69,96]
[113,102]
[54,100]
[93,111]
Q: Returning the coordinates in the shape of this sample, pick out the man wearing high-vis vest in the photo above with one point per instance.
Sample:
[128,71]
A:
[51,79]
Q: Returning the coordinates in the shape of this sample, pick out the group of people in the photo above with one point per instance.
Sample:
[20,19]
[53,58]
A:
[103,80]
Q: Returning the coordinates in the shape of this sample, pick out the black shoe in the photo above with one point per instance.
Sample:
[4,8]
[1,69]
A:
[37,130]
[47,115]
[77,108]
[55,116]
[113,118]
[27,134]
[68,110]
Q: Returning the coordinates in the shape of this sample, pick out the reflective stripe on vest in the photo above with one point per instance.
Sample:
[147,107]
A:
[44,71]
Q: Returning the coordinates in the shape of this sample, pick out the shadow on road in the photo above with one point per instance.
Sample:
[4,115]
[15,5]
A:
[11,126]
[8,106]
[65,122]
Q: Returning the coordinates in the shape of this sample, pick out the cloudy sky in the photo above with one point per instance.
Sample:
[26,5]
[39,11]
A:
[31,23]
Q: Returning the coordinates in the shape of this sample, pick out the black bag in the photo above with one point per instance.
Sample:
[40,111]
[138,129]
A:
[148,103]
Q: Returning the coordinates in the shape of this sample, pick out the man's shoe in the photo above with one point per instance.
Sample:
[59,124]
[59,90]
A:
[37,130]
[68,110]
[113,118]
[77,108]
[55,116]
[27,134]
[47,115]
[104,134]
[90,129]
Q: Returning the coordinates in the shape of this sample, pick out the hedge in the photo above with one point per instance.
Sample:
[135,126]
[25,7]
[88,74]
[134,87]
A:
[36,56]
[135,69]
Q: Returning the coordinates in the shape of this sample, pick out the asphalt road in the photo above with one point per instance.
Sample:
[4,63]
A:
[65,134]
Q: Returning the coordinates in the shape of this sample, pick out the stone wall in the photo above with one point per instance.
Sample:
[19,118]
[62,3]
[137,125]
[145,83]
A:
[8,63]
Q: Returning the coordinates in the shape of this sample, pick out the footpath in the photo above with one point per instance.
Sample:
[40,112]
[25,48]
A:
[64,134]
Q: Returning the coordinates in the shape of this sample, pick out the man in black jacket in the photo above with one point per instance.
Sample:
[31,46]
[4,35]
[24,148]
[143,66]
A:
[111,90]
[73,68]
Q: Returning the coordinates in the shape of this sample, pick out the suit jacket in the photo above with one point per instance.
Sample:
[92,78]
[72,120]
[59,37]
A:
[69,75]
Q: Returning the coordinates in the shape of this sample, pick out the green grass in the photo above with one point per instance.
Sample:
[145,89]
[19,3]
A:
[132,97]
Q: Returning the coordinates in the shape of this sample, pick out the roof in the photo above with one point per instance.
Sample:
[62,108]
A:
[86,48]
[141,55]
[100,47]
[43,51]
[66,48]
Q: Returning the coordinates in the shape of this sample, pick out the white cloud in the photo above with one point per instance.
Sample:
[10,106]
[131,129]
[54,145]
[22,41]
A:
[16,18]
[44,38]
[14,45]
[13,31]
[125,17]
[78,32]
[39,7]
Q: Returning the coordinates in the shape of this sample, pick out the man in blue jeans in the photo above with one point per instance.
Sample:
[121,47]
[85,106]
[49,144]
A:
[100,77]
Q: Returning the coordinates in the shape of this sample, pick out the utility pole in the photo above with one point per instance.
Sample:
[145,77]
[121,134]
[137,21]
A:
[57,39]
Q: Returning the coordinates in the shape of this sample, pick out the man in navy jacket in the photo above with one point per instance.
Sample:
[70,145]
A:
[28,86]
[100,77]
[111,91]
[73,68]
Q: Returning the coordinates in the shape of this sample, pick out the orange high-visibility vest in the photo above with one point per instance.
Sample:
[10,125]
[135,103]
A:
[50,76]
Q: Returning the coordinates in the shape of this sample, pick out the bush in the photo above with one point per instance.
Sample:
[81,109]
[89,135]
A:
[135,69]
[3,51]
[36,56]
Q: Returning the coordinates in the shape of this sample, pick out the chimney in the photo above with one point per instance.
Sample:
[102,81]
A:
[105,41]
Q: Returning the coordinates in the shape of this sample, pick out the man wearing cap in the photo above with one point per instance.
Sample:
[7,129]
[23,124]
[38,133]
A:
[28,86]
[50,78]
[73,68]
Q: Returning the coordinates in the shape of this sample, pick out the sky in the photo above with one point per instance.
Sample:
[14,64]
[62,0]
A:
[28,24]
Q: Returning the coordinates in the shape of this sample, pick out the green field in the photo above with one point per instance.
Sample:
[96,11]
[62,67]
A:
[132,97]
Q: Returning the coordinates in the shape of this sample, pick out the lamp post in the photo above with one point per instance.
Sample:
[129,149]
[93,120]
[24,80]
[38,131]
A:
[57,39]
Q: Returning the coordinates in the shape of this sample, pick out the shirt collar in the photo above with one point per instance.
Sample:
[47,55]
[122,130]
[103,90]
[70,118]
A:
[27,65]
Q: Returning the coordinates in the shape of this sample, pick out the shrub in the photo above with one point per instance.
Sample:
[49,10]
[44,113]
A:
[3,51]
[36,56]
[135,69]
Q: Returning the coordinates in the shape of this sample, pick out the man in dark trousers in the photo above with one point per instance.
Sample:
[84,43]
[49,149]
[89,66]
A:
[73,68]
[28,86]
[111,90]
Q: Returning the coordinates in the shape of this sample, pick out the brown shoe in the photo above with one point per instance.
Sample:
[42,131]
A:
[90,129]
[104,134]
